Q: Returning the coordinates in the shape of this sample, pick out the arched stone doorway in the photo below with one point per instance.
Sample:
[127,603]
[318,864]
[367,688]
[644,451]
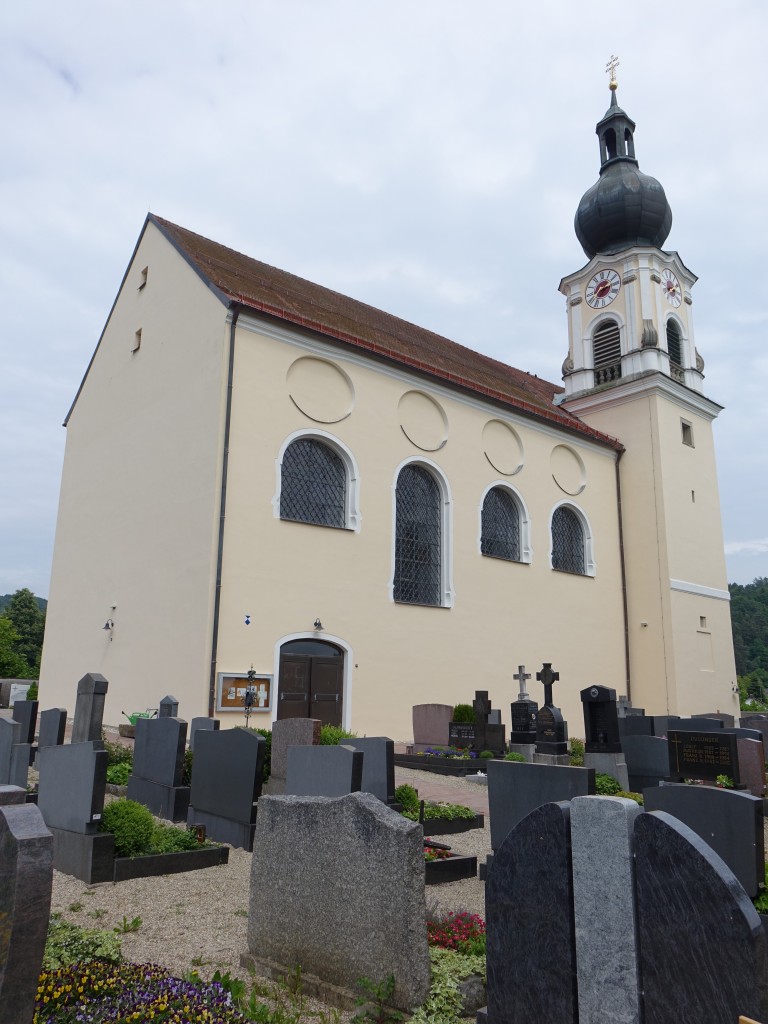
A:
[311,681]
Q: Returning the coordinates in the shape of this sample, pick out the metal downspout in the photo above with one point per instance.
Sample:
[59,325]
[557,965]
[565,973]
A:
[623,578]
[236,308]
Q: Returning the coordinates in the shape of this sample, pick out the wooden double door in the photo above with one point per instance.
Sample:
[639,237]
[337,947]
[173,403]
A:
[311,681]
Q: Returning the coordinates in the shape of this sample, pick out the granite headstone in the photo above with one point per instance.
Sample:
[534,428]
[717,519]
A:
[331,771]
[53,724]
[158,767]
[430,725]
[647,760]
[201,724]
[227,776]
[89,708]
[289,732]
[25,712]
[378,766]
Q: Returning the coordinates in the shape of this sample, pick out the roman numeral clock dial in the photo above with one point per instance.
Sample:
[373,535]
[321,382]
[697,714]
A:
[603,288]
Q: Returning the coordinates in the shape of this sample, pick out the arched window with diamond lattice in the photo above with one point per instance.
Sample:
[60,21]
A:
[500,525]
[313,484]
[568,541]
[418,537]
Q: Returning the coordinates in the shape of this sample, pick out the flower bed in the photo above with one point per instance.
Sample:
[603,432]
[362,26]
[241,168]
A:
[453,826]
[441,764]
[441,865]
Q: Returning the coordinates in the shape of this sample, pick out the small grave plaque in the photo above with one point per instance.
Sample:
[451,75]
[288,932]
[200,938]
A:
[703,755]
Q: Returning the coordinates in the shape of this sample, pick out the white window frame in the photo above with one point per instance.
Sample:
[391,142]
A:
[526,551]
[589,544]
[352,515]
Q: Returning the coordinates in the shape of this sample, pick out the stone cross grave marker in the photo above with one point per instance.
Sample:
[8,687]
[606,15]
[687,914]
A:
[524,712]
[551,730]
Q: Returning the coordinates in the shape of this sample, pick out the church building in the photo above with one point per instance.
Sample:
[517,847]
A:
[272,488]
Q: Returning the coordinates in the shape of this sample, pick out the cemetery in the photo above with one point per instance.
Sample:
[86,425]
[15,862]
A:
[325,854]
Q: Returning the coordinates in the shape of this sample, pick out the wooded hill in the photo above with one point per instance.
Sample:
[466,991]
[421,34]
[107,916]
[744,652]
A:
[749,618]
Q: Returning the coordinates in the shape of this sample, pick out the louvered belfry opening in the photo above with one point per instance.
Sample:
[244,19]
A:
[313,484]
[606,349]
[674,343]
[500,525]
[417,537]
[567,541]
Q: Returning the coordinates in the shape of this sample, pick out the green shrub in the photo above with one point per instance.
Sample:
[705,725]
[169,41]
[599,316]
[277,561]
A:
[331,735]
[172,839]
[186,771]
[69,944]
[408,798]
[637,797]
[131,824]
[117,753]
[512,755]
[117,774]
[761,900]
[268,751]
[577,753]
[447,969]
[464,713]
[32,692]
[487,755]
[606,785]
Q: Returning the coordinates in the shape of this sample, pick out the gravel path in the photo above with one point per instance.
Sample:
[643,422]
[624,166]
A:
[199,918]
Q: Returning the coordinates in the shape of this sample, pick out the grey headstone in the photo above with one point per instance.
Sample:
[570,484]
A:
[702,944]
[312,855]
[73,781]
[729,821]
[12,795]
[227,774]
[430,725]
[331,771]
[169,707]
[89,708]
[726,719]
[158,767]
[604,911]
[609,764]
[378,766]
[14,755]
[291,732]
[663,723]
[759,722]
[53,723]
[26,870]
[515,789]
[25,712]
[494,716]
[201,725]
[696,725]
[751,756]
[635,725]
[5,692]
[647,760]
[531,955]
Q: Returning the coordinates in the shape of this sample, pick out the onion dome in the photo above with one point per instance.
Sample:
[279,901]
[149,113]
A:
[624,207]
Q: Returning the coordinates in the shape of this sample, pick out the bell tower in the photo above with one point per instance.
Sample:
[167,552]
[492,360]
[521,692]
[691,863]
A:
[633,371]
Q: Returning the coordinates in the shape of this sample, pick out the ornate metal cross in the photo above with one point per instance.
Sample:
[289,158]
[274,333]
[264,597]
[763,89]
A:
[548,677]
[610,67]
[521,676]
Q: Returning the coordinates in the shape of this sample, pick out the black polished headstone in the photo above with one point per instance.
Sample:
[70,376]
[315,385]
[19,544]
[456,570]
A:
[26,870]
[647,759]
[727,720]
[378,766]
[227,776]
[89,708]
[524,715]
[694,755]
[730,822]
[323,771]
[696,725]
[53,723]
[531,955]
[635,725]
[169,707]
[516,788]
[201,725]
[663,723]
[72,785]
[551,731]
[25,712]
[601,720]
[462,735]
[14,755]
[158,766]
[703,952]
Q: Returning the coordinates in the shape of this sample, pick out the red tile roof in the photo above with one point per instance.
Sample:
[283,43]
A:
[265,289]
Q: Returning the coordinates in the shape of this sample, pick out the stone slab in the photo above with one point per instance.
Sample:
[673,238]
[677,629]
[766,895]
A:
[696,725]
[158,750]
[227,774]
[729,821]
[72,786]
[727,720]
[89,857]
[330,771]
[25,712]
[703,948]
[224,830]
[345,879]
[663,723]
[759,722]
[609,764]
[635,725]
[531,954]
[604,909]
[53,723]
[751,756]
[560,760]
[10,737]
[378,766]
[515,789]
[201,725]
[526,749]
[26,870]
[89,708]
[291,732]
[12,795]
[430,725]
[647,760]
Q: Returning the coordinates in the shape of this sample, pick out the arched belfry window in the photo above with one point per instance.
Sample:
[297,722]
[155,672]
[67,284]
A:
[418,537]
[500,526]
[606,352]
[571,543]
[674,342]
[313,484]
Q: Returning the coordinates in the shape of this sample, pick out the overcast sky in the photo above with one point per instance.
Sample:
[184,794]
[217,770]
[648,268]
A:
[425,157]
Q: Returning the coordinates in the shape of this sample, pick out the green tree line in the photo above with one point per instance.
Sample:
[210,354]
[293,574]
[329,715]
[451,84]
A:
[22,623]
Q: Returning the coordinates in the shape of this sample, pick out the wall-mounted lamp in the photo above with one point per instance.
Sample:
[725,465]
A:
[318,624]
[108,625]
[644,625]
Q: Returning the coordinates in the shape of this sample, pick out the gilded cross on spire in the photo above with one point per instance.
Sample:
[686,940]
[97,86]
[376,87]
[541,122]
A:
[610,67]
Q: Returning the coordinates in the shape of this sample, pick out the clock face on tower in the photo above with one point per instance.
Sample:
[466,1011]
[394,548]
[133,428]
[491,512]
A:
[671,288]
[603,288]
